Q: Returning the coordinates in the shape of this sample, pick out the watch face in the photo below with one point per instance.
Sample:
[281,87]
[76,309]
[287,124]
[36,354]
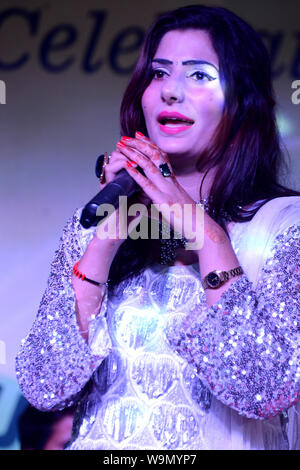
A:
[213,280]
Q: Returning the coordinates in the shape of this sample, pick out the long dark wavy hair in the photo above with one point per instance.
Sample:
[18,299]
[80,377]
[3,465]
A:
[246,144]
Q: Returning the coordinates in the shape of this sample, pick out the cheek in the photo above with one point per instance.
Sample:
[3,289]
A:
[219,100]
[216,99]
[147,110]
[150,100]
[210,104]
[146,103]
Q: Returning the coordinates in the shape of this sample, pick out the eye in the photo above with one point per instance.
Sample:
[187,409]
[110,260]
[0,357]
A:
[200,76]
[157,74]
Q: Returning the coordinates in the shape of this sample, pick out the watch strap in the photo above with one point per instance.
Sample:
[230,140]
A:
[224,276]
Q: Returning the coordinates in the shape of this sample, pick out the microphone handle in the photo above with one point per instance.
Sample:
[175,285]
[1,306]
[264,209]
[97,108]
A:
[122,185]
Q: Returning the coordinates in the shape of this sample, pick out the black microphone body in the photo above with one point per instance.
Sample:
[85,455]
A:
[122,185]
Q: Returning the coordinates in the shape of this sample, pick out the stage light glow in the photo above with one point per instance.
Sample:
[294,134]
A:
[285,125]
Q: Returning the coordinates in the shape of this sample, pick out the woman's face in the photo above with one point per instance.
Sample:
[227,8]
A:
[184,102]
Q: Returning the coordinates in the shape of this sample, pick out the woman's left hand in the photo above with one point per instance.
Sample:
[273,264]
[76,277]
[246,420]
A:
[164,191]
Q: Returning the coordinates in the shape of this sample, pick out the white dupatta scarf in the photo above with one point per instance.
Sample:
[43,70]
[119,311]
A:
[223,427]
[273,218]
[253,242]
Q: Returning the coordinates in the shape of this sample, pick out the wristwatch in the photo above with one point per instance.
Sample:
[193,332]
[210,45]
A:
[215,279]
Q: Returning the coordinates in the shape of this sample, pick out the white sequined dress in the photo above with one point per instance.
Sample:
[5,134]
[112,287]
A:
[162,370]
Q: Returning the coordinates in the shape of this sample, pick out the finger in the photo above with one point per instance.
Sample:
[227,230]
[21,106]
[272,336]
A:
[149,188]
[156,174]
[146,147]
[116,163]
[140,136]
[150,169]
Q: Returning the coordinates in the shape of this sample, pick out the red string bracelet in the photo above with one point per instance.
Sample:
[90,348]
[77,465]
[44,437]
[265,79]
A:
[84,278]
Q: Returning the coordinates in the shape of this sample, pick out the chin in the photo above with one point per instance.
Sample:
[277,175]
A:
[174,148]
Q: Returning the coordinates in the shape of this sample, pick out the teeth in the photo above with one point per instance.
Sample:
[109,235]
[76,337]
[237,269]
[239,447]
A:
[176,124]
[176,121]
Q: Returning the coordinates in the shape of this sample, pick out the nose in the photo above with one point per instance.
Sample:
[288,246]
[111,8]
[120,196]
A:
[172,90]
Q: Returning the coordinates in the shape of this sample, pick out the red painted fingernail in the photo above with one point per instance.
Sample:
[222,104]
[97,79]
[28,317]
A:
[121,144]
[129,165]
[125,138]
[139,134]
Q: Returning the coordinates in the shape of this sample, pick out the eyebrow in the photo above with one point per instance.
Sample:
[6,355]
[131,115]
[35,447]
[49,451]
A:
[186,62]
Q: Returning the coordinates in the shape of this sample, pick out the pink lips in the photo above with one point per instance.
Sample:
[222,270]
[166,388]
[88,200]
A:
[166,115]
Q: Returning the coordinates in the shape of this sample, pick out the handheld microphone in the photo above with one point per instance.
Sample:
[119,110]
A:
[122,185]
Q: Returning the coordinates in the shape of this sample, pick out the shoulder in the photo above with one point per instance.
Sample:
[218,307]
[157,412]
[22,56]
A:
[277,215]
[274,223]
[272,217]
[279,204]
